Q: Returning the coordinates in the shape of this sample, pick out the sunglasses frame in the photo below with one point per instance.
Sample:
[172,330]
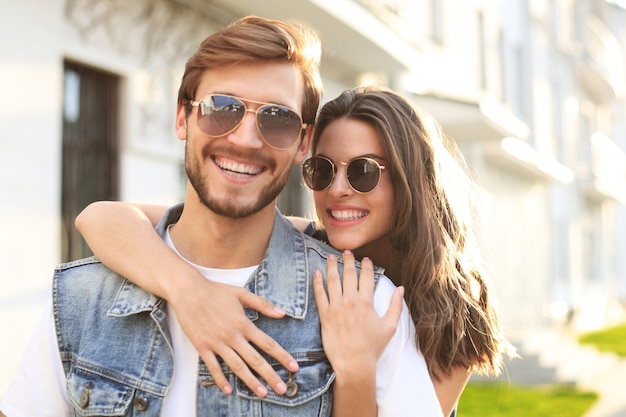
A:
[346,164]
[243,101]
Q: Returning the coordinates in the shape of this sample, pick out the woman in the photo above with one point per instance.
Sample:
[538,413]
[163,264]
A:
[385,187]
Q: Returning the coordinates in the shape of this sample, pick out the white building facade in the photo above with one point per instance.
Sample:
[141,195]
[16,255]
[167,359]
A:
[533,92]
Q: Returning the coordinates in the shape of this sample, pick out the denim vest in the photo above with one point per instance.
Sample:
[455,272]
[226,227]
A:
[116,348]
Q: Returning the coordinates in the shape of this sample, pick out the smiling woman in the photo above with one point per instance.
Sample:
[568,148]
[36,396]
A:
[415,219]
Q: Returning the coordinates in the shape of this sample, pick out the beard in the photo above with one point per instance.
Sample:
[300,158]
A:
[230,207]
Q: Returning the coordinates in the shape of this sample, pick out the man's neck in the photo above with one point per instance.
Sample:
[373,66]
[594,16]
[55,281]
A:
[208,239]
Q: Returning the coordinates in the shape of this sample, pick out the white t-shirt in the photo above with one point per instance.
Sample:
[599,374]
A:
[403,384]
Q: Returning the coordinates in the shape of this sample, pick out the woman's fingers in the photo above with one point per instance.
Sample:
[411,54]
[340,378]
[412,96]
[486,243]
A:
[241,358]
[332,280]
[215,322]
[319,291]
[350,277]
[392,316]
[216,372]
[260,338]
[260,304]
[366,278]
[352,329]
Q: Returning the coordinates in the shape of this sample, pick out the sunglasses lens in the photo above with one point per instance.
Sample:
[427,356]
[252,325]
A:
[363,174]
[279,126]
[317,173]
[219,115]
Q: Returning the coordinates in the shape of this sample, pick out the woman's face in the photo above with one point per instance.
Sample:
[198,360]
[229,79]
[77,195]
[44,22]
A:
[355,221]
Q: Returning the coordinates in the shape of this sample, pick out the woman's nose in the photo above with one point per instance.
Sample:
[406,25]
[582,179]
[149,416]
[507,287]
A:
[339,186]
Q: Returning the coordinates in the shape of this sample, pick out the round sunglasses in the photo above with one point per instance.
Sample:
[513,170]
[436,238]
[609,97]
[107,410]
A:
[220,114]
[363,173]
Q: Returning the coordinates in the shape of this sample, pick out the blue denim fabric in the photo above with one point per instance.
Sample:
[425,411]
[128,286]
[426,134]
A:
[116,348]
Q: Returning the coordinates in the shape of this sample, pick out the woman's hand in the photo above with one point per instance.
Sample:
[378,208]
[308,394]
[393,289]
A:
[353,333]
[352,330]
[212,315]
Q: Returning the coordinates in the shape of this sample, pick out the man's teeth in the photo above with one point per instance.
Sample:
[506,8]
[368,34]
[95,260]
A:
[238,168]
[347,214]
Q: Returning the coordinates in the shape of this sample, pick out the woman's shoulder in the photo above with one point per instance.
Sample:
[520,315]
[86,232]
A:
[316,231]
[309,227]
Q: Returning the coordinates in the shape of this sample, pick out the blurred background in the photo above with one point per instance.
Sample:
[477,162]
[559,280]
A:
[533,91]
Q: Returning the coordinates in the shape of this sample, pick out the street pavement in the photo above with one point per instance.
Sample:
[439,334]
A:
[551,357]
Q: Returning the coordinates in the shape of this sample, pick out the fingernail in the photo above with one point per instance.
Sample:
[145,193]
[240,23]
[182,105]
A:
[293,366]
[261,391]
[281,388]
[332,258]
[279,311]
[227,389]
[347,252]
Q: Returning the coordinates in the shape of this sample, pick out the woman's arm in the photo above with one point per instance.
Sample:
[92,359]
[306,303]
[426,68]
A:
[450,387]
[353,334]
[354,337]
[300,222]
[122,236]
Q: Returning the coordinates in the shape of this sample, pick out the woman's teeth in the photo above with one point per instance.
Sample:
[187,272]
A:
[347,214]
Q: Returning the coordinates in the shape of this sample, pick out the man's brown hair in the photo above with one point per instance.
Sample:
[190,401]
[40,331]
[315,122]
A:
[256,39]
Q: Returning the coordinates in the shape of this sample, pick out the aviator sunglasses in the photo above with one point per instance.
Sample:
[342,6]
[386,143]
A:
[363,173]
[220,114]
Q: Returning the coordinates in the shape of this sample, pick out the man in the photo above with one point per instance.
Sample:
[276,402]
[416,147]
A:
[108,347]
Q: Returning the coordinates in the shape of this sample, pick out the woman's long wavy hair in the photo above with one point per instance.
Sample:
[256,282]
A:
[432,235]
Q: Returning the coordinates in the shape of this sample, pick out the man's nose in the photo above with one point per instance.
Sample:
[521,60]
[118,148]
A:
[247,134]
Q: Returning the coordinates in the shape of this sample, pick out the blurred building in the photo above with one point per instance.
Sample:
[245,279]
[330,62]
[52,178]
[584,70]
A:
[532,90]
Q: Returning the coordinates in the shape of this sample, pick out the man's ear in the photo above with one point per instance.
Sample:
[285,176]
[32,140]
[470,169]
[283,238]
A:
[305,145]
[181,122]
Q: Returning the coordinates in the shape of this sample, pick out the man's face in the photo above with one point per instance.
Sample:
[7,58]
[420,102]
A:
[238,174]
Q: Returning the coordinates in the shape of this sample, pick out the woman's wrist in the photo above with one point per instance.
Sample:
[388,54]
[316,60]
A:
[180,282]
[356,374]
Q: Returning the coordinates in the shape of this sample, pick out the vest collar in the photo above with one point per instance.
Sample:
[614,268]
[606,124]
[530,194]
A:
[282,275]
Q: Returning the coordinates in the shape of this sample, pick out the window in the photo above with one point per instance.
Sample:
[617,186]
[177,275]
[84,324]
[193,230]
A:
[90,148]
